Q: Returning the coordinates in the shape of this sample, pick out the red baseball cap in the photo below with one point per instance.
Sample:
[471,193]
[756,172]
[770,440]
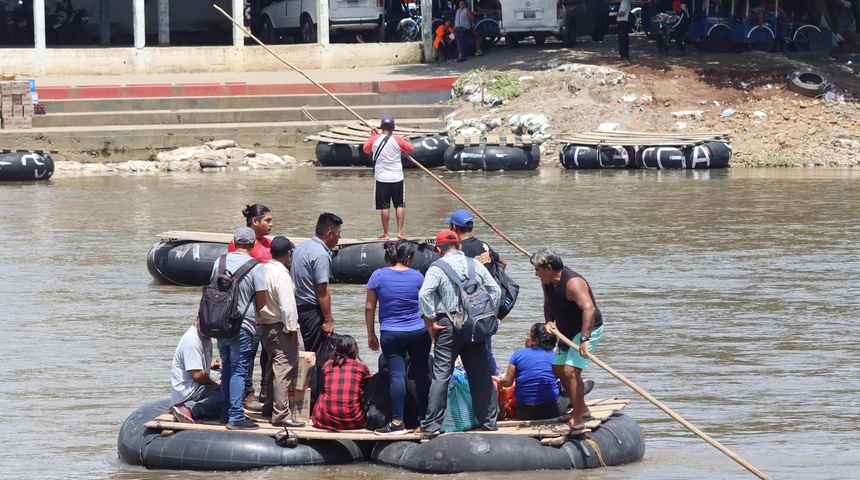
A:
[446,236]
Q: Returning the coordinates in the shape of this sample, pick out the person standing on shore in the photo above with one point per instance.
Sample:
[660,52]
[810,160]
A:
[623,20]
[463,26]
[386,150]
[278,323]
[310,269]
[259,218]
[568,304]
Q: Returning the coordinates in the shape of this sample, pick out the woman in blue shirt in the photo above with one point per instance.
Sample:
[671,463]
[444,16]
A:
[536,389]
[401,329]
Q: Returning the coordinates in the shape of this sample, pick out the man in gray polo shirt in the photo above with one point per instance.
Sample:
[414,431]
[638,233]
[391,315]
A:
[310,268]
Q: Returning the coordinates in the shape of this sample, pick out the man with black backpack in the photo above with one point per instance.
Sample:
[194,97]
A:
[385,151]
[236,350]
[461,223]
[458,301]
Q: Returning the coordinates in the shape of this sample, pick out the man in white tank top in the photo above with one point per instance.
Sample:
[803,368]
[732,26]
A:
[385,151]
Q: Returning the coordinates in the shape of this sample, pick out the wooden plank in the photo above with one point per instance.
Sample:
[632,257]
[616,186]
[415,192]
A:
[179,235]
[492,140]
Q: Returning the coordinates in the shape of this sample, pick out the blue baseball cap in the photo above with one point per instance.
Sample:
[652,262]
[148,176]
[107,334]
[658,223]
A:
[461,218]
[387,122]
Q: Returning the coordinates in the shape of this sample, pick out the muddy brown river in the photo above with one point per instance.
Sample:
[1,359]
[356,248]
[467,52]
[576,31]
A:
[731,296]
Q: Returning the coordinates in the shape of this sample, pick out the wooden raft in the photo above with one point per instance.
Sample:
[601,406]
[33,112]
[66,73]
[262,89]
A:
[500,140]
[601,410]
[636,139]
[179,235]
[359,133]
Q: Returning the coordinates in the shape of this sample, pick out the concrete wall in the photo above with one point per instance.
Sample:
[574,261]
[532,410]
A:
[116,61]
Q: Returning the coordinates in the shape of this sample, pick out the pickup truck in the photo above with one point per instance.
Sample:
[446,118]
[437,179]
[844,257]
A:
[298,18]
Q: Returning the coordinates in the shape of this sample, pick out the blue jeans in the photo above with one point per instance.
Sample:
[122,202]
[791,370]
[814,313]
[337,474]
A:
[235,358]
[395,346]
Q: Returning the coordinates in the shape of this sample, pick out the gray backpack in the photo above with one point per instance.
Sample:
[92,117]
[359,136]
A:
[476,318]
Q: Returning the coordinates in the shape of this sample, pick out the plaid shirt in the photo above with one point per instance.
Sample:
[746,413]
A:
[340,406]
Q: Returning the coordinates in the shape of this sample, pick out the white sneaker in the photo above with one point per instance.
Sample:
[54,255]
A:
[479,53]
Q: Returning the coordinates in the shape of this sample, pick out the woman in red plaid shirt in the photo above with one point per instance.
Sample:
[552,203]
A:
[339,406]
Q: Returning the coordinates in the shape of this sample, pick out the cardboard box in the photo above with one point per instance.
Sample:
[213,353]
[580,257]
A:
[6,88]
[300,404]
[27,122]
[17,99]
[305,371]
[6,110]
[29,110]
[13,123]
[20,87]
[17,110]
[26,98]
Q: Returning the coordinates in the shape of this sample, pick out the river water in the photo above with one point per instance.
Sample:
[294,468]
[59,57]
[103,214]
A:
[731,296]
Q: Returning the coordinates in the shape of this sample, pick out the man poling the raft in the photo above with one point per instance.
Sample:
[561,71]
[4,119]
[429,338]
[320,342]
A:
[583,351]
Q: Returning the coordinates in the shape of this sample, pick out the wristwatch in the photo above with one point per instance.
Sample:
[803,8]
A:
[583,338]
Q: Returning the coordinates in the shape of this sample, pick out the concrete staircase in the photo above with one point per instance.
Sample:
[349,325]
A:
[116,123]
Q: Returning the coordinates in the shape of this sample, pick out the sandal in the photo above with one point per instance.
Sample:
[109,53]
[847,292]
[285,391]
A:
[568,430]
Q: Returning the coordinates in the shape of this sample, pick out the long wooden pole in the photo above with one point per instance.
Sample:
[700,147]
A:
[666,409]
[362,120]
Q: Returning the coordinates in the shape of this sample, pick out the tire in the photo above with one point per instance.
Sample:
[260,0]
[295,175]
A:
[807,37]
[408,31]
[719,39]
[569,39]
[512,40]
[809,81]
[488,30]
[309,31]
[760,39]
[636,26]
[267,32]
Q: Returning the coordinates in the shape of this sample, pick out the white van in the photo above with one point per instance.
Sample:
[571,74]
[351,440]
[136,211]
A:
[299,18]
[565,19]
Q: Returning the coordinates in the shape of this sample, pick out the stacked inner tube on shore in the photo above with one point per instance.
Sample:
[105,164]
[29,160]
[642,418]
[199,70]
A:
[189,262]
[595,150]
[219,450]
[25,165]
[492,153]
[342,146]
[617,441]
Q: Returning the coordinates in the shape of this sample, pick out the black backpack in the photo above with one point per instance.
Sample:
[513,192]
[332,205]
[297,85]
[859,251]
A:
[510,289]
[477,315]
[219,307]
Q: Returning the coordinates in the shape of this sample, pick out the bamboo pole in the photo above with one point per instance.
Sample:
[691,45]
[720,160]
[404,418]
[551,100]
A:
[362,120]
[665,409]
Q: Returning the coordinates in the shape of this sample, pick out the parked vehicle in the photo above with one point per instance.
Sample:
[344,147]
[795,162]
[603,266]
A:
[403,23]
[67,25]
[565,19]
[299,18]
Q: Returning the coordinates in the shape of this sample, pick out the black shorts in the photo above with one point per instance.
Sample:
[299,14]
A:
[387,193]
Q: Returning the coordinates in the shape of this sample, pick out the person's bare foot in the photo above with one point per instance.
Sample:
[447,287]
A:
[401,236]
[384,237]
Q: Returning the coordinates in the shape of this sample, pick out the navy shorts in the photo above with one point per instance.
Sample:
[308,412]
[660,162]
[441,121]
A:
[386,194]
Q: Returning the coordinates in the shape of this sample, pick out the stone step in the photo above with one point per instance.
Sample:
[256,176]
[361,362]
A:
[114,143]
[247,115]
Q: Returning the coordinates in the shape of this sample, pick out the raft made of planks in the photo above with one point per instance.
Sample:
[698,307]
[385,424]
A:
[359,133]
[601,410]
[500,140]
[179,235]
[636,139]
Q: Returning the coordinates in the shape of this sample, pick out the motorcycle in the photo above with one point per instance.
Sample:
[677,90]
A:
[403,25]
[663,32]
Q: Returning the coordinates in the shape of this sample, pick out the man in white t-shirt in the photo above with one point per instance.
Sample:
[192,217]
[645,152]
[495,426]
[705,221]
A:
[385,150]
[623,20]
[195,391]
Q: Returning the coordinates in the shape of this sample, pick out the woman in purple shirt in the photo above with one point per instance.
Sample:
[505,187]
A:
[402,330]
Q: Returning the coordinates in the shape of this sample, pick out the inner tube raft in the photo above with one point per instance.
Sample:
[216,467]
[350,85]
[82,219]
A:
[219,450]
[428,152]
[24,165]
[189,262]
[617,441]
[574,156]
[492,157]
[707,155]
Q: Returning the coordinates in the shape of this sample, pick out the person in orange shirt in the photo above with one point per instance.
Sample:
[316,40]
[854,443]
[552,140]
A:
[445,42]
